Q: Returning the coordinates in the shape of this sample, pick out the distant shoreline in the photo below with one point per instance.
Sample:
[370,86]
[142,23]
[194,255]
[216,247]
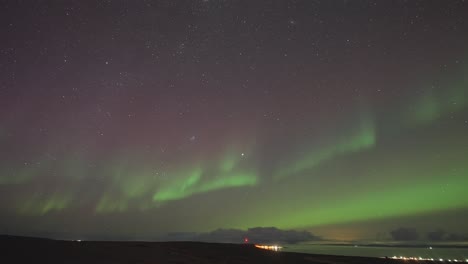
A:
[394,245]
[33,250]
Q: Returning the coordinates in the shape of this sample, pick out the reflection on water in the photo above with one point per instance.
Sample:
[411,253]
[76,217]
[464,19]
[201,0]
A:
[382,251]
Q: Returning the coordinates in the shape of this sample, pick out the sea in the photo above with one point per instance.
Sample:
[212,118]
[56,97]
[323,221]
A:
[444,252]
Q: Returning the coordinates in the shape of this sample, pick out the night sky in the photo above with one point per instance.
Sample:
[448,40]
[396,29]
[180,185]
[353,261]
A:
[131,119]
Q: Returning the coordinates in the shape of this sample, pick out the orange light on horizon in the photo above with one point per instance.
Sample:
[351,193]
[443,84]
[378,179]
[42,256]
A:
[267,247]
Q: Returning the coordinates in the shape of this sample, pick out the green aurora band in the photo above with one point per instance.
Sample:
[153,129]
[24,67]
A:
[131,192]
[394,201]
[361,138]
[192,181]
[193,184]
[434,105]
[438,101]
[41,206]
[134,187]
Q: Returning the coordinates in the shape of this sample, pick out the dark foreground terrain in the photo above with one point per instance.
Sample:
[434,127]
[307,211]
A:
[35,250]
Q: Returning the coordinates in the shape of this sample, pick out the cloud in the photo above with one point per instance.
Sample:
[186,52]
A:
[457,237]
[254,235]
[272,234]
[440,235]
[404,234]
[437,235]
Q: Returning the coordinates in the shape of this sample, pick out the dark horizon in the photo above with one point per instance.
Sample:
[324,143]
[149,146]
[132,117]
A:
[258,235]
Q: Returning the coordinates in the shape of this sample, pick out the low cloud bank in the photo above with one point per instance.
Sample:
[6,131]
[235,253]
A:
[254,235]
[438,235]
[404,234]
[441,235]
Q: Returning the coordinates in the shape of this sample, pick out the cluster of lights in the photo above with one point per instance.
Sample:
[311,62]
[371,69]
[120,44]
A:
[429,259]
[274,247]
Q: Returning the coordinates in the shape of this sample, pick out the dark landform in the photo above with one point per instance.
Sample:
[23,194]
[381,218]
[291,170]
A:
[38,250]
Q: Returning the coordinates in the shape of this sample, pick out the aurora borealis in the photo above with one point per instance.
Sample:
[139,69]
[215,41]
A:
[132,119]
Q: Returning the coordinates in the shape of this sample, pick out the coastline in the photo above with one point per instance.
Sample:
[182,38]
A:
[33,250]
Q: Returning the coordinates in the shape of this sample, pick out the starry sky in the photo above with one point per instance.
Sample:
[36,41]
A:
[132,119]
